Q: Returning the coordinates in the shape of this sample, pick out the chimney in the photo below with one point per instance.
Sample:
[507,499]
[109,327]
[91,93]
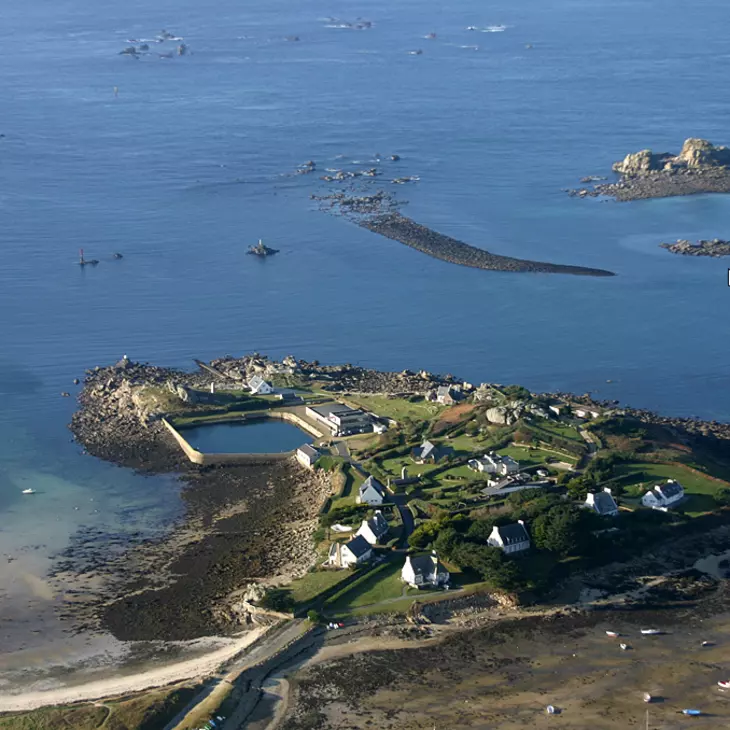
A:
[521,522]
[607,490]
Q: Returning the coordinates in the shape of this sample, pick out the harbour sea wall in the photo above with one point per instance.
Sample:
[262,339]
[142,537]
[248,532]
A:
[402,229]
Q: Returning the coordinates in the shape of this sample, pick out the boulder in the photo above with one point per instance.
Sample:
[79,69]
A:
[637,163]
[701,153]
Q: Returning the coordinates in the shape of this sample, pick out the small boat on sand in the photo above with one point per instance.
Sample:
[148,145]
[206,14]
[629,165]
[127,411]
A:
[29,491]
[651,632]
[725,683]
[550,710]
[708,643]
[693,713]
[613,634]
[647,697]
[624,647]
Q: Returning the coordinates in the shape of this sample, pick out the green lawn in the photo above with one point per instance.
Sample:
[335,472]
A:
[641,476]
[560,429]
[397,408]
[382,585]
[468,444]
[394,466]
[305,589]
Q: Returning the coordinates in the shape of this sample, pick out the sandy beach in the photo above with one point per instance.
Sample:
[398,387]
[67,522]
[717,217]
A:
[195,668]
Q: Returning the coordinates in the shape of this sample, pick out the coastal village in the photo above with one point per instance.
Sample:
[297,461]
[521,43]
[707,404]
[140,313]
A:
[440,487]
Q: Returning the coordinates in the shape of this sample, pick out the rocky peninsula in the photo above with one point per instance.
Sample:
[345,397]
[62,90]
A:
[379,213]
[700,167]
[400,228]
[715,248]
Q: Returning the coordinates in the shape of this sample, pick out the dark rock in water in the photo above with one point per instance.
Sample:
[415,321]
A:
[182,49]
[117,256]
[395,158]
[88,262]
[261,250]
[144,47]
[76,381]
[128,51]
[65,394]
[714,248]
[292,38]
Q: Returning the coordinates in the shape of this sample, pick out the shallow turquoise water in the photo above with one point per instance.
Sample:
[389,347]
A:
[189,164]
[246,438]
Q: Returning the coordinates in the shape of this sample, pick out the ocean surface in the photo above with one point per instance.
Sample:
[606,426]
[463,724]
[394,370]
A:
[191,159]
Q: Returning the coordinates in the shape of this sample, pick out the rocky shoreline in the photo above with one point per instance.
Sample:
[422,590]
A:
[715,248]
[700,167]
[399,228]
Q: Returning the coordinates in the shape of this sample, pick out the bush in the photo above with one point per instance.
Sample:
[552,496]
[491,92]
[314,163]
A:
[315,616]
[278,599]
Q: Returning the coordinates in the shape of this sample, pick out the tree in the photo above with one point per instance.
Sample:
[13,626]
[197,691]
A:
[315,616]
[562,530]
[423,535]
[480,530]
[490,563]
[447,542]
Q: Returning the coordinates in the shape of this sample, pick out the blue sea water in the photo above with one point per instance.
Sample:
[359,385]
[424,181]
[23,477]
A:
[189,164]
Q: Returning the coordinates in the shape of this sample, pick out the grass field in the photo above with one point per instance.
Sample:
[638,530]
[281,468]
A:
[304,589]
[560,429]
[700,490]
[382,585]
[397,408]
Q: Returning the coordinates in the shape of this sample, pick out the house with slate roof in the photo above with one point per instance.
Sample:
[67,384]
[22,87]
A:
[602,503]
[258,386]
[354,552]
[447,396]
[664,496]
[374,529]
[424,571]
[430,453]
[307,456]
[371,492]
[510,538]
[493,463]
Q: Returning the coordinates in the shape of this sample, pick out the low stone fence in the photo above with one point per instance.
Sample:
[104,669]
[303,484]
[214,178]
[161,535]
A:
[198,457]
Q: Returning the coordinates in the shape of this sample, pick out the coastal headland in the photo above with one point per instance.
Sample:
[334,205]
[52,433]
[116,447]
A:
[715,248]
[700,167]
[262,542]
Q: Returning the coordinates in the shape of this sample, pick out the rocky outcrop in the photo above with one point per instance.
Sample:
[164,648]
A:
[700,167]
[716,248]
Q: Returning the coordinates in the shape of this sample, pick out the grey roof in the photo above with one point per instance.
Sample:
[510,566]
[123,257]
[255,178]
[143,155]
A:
[427,447]
[671,489]
[443,390]
[423,565]
[378,524]
[371,481]
[327,408]
[309,450]
[358,546]
[514,533]
[255,381]
[604,503]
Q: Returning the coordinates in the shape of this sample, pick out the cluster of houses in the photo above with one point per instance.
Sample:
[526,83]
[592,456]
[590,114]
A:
[661,497]
[493,463]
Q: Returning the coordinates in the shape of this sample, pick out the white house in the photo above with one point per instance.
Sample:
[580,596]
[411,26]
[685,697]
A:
[258,386]
[511,538]
[424,571]
[602,503]
[447,396]
[586,412]
[664,496]
[371,492]
[558,408]
[493,463]
[354,552]
[307,456]
[374,529]
[428,452]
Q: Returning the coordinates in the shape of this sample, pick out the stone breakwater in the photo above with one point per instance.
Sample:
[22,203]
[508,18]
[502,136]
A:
[700,167]
[399,228]
[714,248]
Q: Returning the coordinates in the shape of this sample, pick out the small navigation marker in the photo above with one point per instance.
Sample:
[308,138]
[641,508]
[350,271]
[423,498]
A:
[116,91]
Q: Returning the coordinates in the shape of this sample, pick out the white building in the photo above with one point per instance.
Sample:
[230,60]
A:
[371,492]
[307,456]
[374,529]
[354,552]
[510,538]
[340,419]
[493,463]
[258,386]
[424,571]
[602,503]
[664,496]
